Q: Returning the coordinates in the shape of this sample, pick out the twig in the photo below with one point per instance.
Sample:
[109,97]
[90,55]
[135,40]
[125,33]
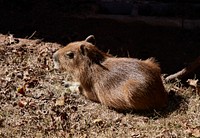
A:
[32,35]
[193,66]
[177,89]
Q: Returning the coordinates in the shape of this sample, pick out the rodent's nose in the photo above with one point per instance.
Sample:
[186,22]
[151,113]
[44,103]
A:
[56,61]
[56,66]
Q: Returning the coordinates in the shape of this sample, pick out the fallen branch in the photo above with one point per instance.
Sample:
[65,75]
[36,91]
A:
[180,74]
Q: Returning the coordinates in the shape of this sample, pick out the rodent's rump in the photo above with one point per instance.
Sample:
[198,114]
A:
[120,83]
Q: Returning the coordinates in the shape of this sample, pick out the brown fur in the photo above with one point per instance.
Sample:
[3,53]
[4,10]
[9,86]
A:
[120,83]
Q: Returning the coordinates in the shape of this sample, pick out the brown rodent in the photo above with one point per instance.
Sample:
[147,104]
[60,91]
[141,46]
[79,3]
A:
[120,83]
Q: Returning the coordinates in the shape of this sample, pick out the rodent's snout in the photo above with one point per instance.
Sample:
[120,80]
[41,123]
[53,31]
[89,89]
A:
[56,61]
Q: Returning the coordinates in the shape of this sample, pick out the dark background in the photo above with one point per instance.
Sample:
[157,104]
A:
[63,21]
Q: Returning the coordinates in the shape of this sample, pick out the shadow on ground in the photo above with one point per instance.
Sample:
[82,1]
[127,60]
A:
[176,103]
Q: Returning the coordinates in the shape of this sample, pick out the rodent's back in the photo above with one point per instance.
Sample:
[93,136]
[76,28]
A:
[135,81]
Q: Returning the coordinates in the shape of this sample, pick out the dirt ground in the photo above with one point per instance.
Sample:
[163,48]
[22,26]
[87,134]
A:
[35,102]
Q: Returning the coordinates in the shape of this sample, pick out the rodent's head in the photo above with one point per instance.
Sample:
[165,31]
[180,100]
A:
[78,55]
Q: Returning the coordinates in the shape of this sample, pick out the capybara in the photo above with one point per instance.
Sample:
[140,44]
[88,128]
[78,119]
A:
[119,83]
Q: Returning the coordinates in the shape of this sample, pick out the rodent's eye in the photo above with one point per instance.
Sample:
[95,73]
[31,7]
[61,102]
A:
[70,55]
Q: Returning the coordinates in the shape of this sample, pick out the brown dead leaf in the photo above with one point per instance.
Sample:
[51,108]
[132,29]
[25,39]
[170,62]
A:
[22,103]
[26,75]
[60,101]
[22,89]
[11,40]
[196,132]
[136,134]
[32,83]
[33,105]
[192,82]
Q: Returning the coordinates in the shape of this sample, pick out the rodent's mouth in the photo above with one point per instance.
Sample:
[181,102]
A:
[57,70]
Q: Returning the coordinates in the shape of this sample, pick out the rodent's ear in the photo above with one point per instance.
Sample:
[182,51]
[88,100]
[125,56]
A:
[92,53]
[91,39]
[83,50]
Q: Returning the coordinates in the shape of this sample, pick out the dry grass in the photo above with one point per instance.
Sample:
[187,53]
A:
[34,111]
